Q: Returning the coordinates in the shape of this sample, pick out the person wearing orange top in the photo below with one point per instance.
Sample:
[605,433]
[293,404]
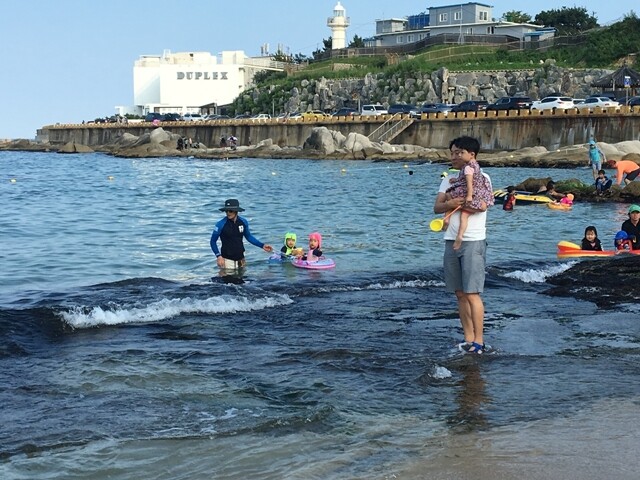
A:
[627,169]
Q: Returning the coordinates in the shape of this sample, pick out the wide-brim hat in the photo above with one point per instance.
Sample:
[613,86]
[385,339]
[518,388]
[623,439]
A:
[233,205]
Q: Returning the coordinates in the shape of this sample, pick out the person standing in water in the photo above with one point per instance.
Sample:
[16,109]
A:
[231,230]
[464,268]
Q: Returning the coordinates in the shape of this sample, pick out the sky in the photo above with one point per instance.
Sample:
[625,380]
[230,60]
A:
[64,61]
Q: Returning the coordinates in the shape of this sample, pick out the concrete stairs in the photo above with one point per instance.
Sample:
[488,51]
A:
[391,128]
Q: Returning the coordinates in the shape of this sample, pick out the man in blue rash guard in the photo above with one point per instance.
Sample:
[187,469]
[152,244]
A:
[231,230]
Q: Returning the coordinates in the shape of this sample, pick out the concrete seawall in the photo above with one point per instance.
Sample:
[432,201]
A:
[496,130]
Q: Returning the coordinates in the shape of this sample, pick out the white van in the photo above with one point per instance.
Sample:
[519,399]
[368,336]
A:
[373,110]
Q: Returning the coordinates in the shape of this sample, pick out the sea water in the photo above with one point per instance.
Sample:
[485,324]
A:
[124,354]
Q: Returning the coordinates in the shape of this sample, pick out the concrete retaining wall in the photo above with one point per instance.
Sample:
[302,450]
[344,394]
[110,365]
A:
[496,130]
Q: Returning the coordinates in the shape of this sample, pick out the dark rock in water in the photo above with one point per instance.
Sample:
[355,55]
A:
[606,282]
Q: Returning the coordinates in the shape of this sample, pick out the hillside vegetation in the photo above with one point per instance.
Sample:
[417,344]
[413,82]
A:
[598,48]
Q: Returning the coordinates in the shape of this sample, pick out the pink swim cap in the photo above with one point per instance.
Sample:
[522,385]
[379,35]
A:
[318,237]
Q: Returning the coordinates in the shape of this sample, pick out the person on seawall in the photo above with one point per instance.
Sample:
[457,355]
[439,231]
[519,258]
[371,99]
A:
[231,230]
[632,226]
[626,169]
[464,269]
[590,240]
[596,158]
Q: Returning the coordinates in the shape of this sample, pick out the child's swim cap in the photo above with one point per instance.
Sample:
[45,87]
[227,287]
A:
[622,235]
[289,235]
[318,237]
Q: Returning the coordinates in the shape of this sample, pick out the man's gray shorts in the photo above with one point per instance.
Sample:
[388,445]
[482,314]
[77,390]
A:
[464,269]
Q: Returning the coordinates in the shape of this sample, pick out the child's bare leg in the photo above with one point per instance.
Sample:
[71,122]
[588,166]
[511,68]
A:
[464,222]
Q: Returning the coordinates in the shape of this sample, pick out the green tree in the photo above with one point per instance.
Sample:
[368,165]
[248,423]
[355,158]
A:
[280,56]
[516,16]
[326,42]
[300,58]
[357,42]
[567,21]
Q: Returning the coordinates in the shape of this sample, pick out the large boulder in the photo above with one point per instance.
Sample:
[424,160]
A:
[125,140]
[158,135]
[73,147]
[146,150]
[324,140]
[357,142]
[630,146]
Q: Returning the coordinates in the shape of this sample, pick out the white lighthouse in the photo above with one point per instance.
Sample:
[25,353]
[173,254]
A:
[338,24]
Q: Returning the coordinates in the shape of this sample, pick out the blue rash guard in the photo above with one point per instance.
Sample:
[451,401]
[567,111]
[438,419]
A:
[230,234]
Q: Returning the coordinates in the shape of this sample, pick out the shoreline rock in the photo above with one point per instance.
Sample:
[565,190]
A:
[591,280]
[325,144]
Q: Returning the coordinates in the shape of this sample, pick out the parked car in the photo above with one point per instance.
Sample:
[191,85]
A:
[470,106]
[630,101]
[346,112]
[549,103]
[287,116]
[242,116]
[593,102]
[314,115]
[511,103]
[171,117]
[402,108]
[260,116]
[376,109]
[149,117]
[443,108]
[193,117]
[576,101]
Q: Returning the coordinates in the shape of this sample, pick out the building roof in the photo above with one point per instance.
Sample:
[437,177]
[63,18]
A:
[616,79]
[456,5]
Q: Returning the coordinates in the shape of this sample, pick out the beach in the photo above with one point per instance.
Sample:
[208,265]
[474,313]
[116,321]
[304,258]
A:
[124,354]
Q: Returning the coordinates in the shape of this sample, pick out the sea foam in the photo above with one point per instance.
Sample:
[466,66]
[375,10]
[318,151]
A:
[86,317]
[534,275]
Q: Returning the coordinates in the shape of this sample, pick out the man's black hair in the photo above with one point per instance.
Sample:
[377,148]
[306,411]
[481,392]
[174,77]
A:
[469,144]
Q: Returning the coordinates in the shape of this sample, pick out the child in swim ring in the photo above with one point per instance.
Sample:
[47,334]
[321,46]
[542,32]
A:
[315,245]
[289,247]
[568,200]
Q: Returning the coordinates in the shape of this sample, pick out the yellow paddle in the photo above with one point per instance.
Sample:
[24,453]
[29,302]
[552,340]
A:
[437,223]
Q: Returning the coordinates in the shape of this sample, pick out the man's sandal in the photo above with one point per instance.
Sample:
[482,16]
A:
[476,348]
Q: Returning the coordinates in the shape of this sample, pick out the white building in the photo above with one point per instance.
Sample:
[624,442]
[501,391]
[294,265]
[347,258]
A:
[462,19]
[190,82]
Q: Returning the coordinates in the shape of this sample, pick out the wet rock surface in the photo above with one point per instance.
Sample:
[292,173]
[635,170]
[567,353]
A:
[606,282]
